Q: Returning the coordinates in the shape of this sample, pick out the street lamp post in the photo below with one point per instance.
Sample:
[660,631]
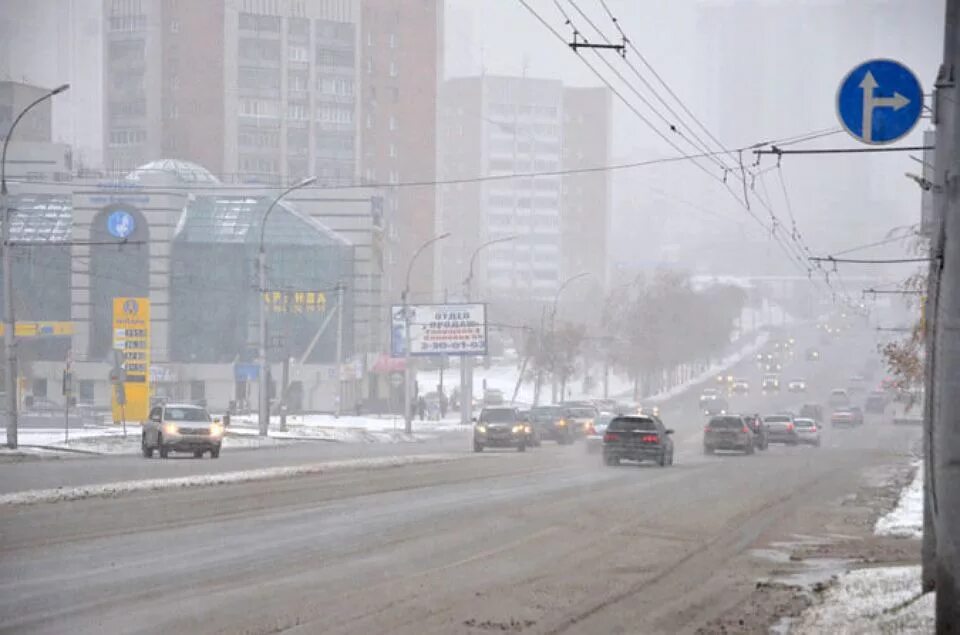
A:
[263,405]
[9,323]
[553,326]
[407,413]
[466,362]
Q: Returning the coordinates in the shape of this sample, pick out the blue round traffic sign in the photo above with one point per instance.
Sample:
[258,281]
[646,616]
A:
[121,224]
[879,101]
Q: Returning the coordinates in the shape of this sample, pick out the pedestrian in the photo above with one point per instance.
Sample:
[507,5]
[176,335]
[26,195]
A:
[422,407]
[443,404]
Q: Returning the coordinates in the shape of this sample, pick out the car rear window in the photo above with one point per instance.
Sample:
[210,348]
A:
[726,423]
[582,412]
[804,423]
[186,414]
[631,424]
[498,416]
[777,419]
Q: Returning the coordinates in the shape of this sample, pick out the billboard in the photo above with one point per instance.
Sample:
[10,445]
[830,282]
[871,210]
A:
[439,329]
[131,340]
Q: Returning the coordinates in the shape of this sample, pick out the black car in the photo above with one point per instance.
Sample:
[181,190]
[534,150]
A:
[716,407]
[637,438]
[876,402]
[812,411]
[759,429]
[551,423]
[500,427]
[730,432]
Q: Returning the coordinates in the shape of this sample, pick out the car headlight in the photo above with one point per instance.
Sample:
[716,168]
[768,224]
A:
[481,429]
[527,429]
[518,429]
[171,428]
[216,429]
[561,423]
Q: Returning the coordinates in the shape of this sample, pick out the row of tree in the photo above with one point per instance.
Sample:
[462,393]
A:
[646,330]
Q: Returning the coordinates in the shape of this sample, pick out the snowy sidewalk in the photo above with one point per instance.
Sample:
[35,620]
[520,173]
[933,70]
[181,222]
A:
[881,599]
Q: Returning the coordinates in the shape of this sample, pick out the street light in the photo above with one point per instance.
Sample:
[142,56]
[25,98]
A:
[9,342]
[553,325]
[407,414]
[466,362]
[263,406]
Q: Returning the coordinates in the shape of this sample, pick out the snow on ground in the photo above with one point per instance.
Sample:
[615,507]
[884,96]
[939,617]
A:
[876,600]
[85,439]
[110,490]
[906,519]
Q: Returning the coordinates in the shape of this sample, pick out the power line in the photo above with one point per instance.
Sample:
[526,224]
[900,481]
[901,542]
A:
[878,243]
[775,150]
[870,262]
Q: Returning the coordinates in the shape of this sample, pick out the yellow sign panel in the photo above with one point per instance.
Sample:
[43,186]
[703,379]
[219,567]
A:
[40,329]
[295,301]
[131,337]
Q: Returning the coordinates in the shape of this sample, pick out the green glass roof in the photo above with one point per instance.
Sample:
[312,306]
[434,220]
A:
[236,219]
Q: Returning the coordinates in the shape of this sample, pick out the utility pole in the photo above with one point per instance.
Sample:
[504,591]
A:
[339,400]
[945,437]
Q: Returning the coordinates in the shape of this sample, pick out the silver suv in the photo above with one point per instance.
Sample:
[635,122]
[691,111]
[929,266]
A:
[181,428]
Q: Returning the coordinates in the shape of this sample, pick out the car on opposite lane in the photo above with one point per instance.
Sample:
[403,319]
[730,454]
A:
[781,429]
[839,398]
[844,417]
[181,428]
[807,431]
[580,416]
[729,432]
[500,427]
[797,384]
[740,387]
[552,424]
[812,411]
[770,383]
[717,406]
[637,438]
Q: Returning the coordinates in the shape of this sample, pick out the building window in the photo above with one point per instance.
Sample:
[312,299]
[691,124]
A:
[393,151]
[392,39]
[369,38]
[394,94]
[296,111]
[174,25]
[369,121]
[369,67]
[85,391]
[298,54]
[393,68]
[40,388]
[393,123]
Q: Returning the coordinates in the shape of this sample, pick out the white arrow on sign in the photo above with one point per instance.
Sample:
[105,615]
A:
[868,84]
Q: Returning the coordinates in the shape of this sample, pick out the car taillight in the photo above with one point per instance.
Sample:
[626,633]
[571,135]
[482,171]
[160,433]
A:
[650,438]
[745,429]
[591,429]
[707,428]
[610,436]
[789,427]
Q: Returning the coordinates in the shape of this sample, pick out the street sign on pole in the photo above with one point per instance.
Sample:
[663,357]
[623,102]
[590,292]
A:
[879,101]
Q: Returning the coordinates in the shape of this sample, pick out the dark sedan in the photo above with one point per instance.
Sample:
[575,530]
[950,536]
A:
[637,438]
[728,433]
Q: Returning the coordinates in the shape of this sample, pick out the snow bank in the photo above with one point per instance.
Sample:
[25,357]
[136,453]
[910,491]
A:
[55,436]
[111,490]
[906,519]
[879,600]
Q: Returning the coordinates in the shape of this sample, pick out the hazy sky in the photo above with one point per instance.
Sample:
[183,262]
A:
[750,70]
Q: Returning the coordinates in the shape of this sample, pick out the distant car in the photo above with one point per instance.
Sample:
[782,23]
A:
[594,438]
[770,383]
[812,411]
[500,427]
[717,406]
[181,428]
[740,387]
[648,410]
[781,429]
[637,438]
[708,394]
[839,398]
[813,355]
[532,431]
[760,440]
[606,405]
[876,402]
[846,417]
[856,385]
[492,397]
[807,431]
[797,385]
[552,424]
[728,432]
[580,418]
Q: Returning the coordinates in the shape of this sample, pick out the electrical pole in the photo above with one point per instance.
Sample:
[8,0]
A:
[945,438]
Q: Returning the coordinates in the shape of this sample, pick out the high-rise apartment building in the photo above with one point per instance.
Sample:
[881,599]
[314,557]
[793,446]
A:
[585,207]
[401,57]
[258,90]
[497,126]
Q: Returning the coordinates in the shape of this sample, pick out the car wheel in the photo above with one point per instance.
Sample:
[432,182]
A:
[707,449]
[144,447]
[215,452]
[477,447]
[164,452]
[522,447]
[198,454]
[750,449]
[662,461]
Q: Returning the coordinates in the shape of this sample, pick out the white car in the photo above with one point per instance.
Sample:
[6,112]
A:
[797,385]
[181,428]
[740,386]
[807,431]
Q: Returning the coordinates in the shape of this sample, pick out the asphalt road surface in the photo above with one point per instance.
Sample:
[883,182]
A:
[547,541]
